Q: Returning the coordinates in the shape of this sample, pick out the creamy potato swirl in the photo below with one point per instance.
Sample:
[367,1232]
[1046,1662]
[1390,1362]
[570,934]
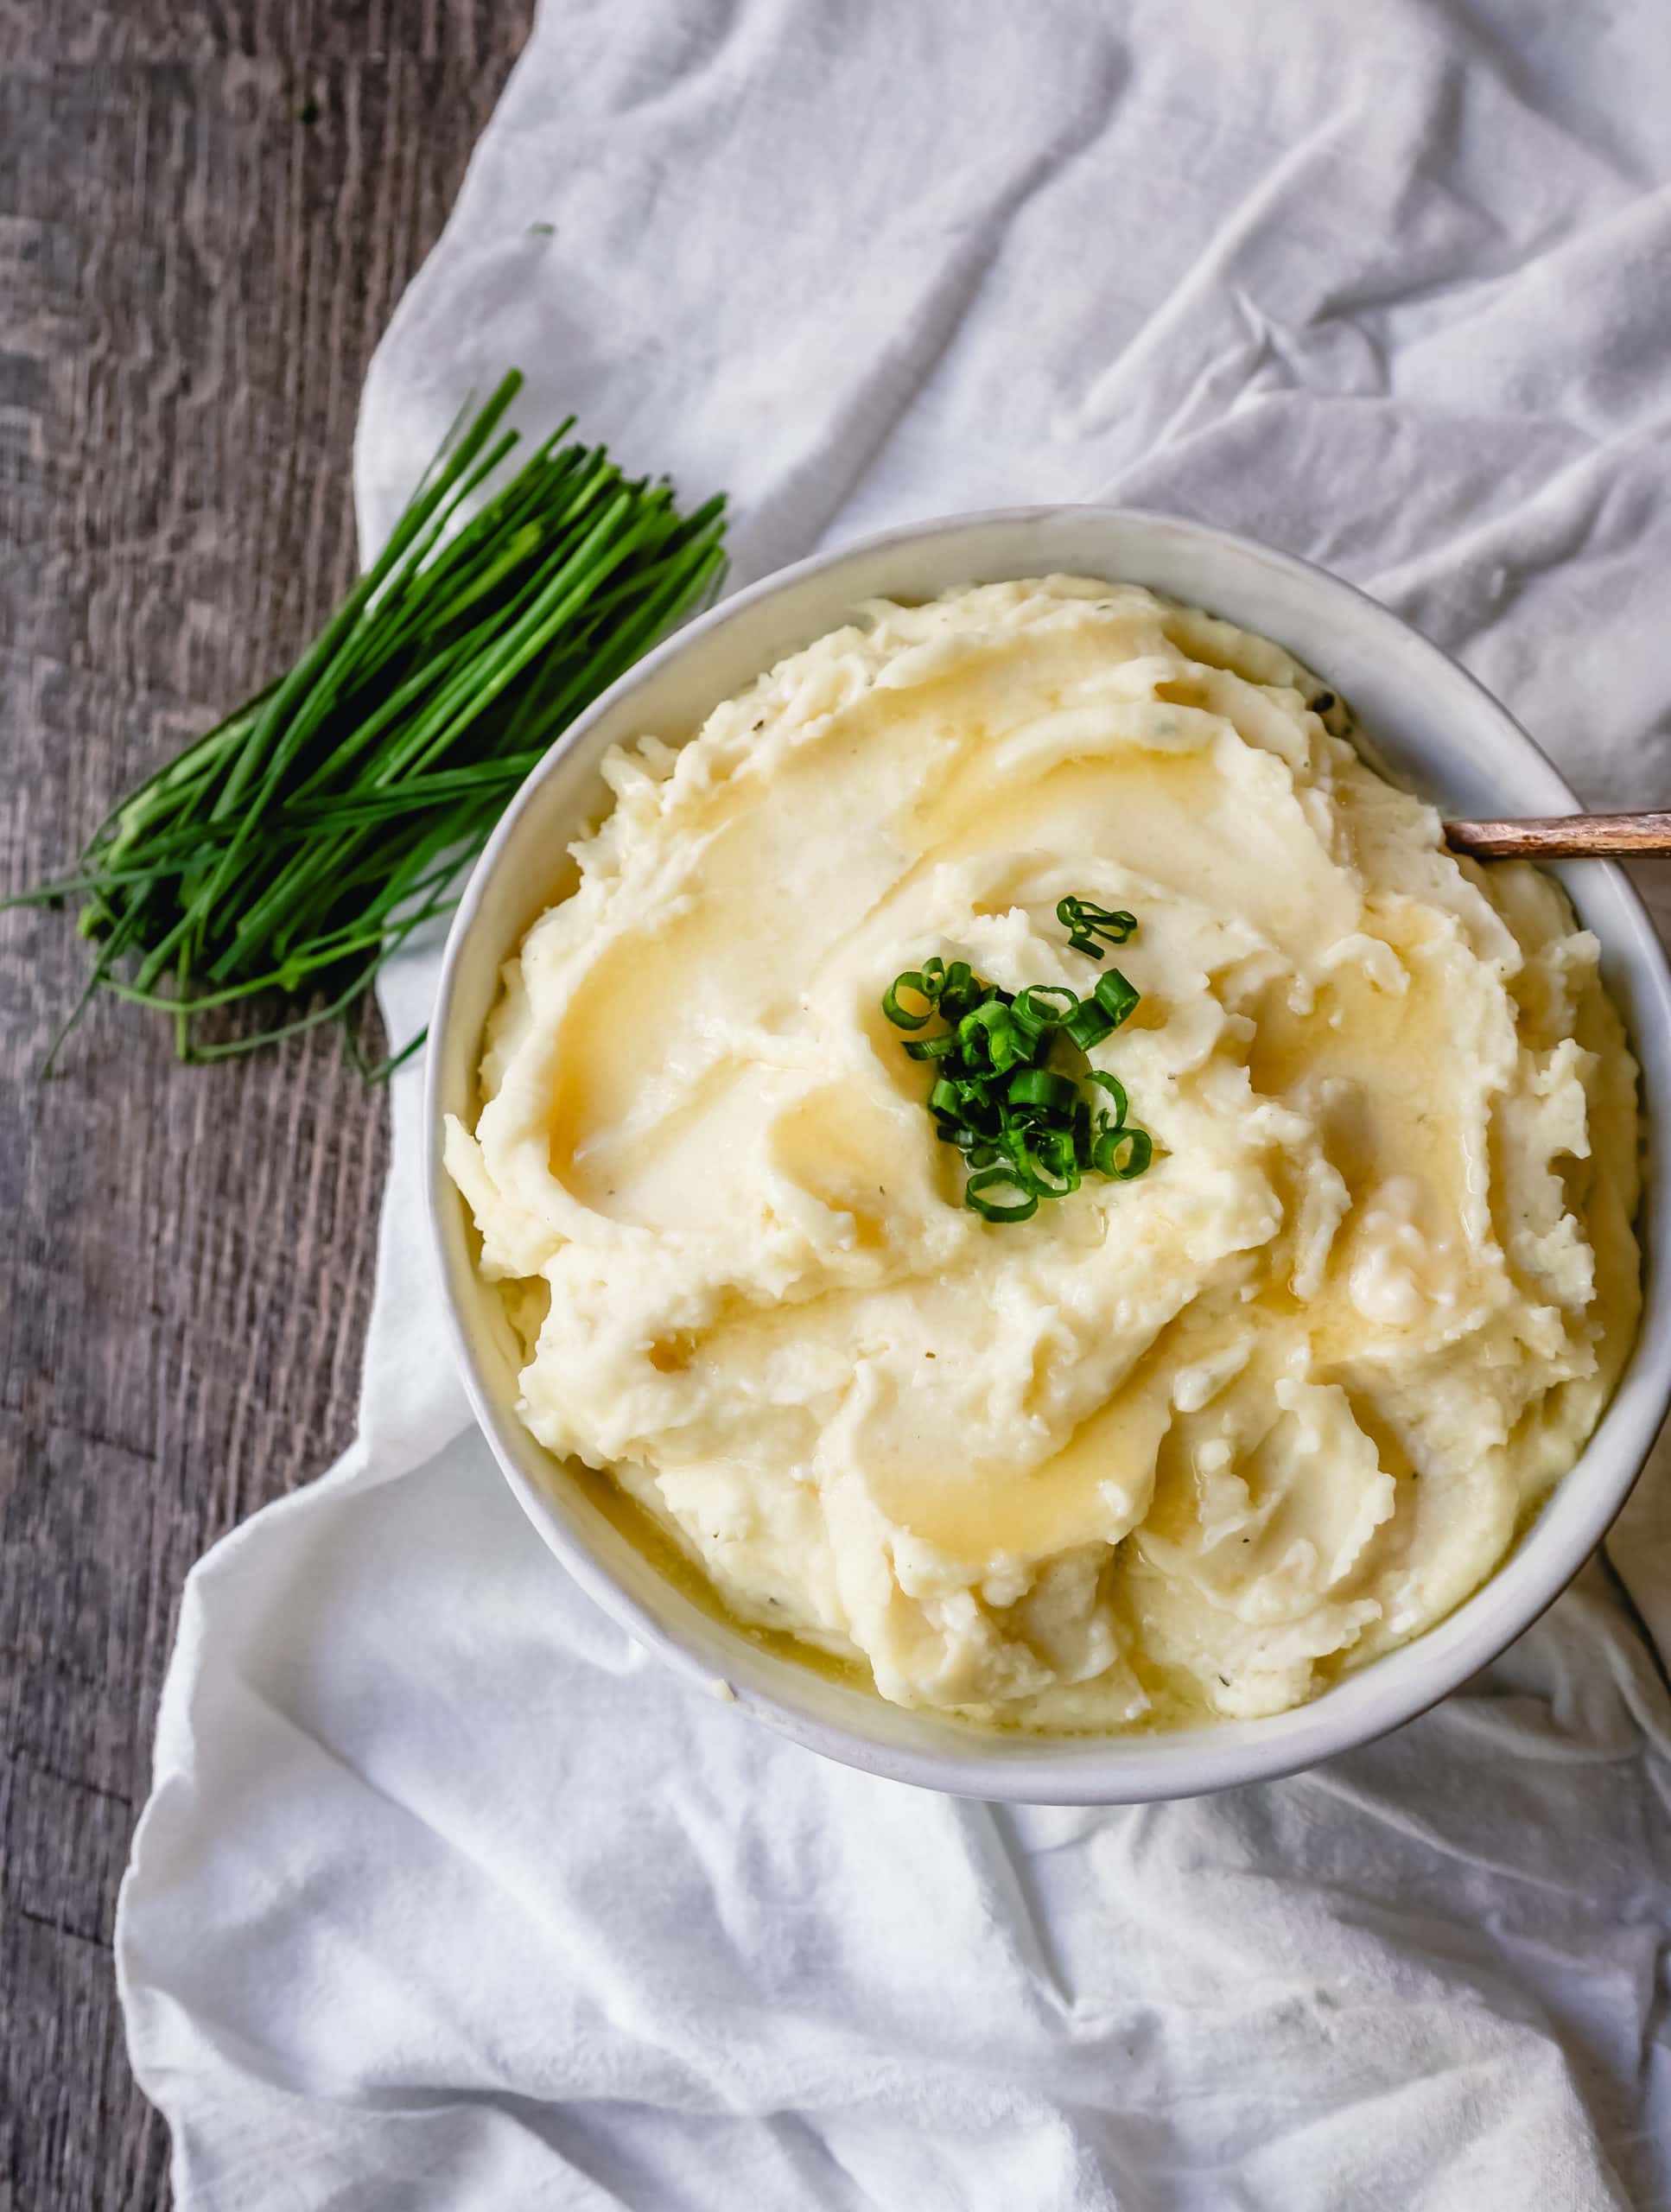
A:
[1173,1449]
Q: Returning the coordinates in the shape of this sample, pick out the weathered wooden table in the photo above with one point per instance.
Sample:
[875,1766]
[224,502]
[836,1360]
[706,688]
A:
[208,210]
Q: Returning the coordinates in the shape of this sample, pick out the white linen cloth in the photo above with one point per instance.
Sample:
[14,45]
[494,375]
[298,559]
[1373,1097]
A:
[447,1896]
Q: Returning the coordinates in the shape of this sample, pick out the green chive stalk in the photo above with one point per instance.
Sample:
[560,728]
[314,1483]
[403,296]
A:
[258,880]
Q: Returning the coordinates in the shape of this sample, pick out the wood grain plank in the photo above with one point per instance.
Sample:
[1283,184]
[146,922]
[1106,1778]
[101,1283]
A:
[191,279]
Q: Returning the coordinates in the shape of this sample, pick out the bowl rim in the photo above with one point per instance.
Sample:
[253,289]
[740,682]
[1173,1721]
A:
[1062,1768]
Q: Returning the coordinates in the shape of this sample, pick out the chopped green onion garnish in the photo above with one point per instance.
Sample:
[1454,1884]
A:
[1057,1094]
[1088,1024]
[1082,1134]
[961,993]
[919,985]
[991,1031]
[1050,1153]
[1022,1126]
[1116,1091]
[997,1179]
[1116,997]
[1032,1016]
[1085,923]
[1139,1149]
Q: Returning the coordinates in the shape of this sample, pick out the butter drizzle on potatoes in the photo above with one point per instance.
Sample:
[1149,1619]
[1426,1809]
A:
[1172,1449]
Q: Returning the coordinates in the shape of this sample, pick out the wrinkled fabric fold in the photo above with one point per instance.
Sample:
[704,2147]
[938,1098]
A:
[446,1895]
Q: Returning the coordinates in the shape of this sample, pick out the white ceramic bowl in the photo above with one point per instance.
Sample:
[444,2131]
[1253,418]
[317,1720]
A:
[1436,729]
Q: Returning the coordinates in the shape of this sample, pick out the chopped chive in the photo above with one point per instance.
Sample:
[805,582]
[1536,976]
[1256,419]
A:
[1033,1014]
[1082,1134]
[1088,1024]
[1116,997]
[947,1098]
[1136,1144]
[991,1031]
[916,984]
[1022,1208]
[1116,1091]
[1085,922]
[1055,1094]
[1022,1125]
[932,1048]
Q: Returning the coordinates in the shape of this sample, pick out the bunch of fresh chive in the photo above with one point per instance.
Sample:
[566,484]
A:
[1026,1128]
[291,850]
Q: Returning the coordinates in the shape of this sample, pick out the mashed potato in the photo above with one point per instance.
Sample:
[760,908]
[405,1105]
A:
[1176,1448]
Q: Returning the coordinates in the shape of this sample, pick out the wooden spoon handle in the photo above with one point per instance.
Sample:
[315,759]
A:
[1562,836]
